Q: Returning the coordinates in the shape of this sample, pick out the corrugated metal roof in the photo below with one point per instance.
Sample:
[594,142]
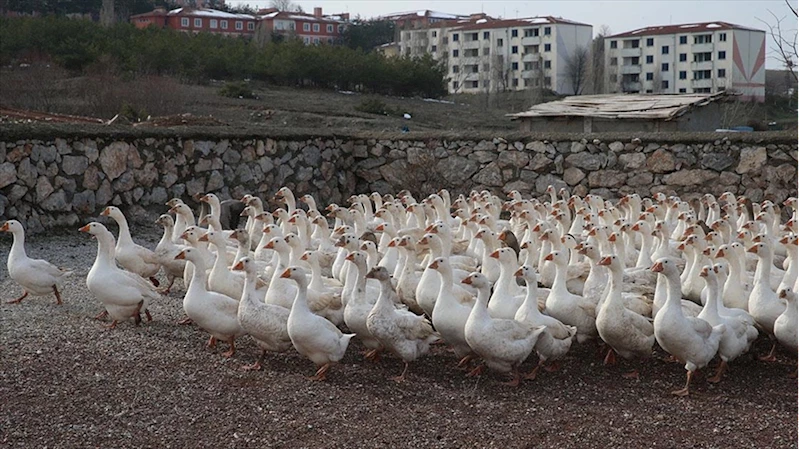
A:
[696,27]
[524,22]
[622,106]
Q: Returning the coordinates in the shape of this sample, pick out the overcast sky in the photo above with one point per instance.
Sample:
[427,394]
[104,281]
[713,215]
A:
[619,15]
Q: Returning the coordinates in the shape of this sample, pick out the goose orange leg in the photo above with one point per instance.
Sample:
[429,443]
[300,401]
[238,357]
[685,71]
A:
[321,374]
[185,321]
[771,357]
[532,374]
[147,313]
[464,362]
[102,315]
[610,357]
[58,301]
[514,382]
[257,365]
[684,391]
[211,343]
[229,354]
[19,300]
[476,371]
[717,377]
[401,377]
[113,325]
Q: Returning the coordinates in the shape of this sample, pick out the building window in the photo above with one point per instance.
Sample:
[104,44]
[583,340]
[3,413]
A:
[664,67]
[613,78]
[683,74]
[702,90]
[613,44]
[499,42]
[683,40]
[636,43]
[435,34]
[486,35]
[547,47]
[650,42]
[454,85]
[184,22]
[213,24]
[683,57]
[649,91]
[702,74]
[664,50]
[702,57]
[340,28]
[224,24]
[515,82]
[434,48]
[649,76]
[723,37]
[198,23]
[239,25]
[664,84]
[455,37]
[456,69]
[547,31]
[531,32]
[472,36]
[316,41]
[330,30]
[514,66]
[307,40]
[486,67]
[722,73]
[614,61]
[455,53]
[316,28]
[514,49]
[528,66]
[250,26]
[530,49]
[682,90]
[650,59]
[703,39]
[514,33]
[307,27]
[474,84]
[722,55]
[547,64]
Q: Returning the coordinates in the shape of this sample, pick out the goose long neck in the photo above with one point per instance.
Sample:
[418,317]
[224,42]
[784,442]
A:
[247,295]
[531,299]
[384,299]
[614,292]
[712,303]
[18,245]
[316,275]
[105,248]
[199,276]
[301,299]
[763,270]
[124,231]
[673,292]
[559,283]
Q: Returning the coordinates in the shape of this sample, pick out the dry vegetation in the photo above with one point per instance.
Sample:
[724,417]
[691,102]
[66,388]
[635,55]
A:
[103,93]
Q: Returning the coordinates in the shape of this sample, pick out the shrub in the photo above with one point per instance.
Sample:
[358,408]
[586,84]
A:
[236,90]
[372,106]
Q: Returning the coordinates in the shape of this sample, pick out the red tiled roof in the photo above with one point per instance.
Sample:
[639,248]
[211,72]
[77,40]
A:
[527,22]
[682,28]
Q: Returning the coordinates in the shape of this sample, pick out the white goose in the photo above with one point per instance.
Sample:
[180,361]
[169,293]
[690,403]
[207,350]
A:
[785,325]
[764,305]
[132,257]
[690,340]
[503,344]
[166,250]
[123,294]
[265,323]
[402,332]
[36,276]
[313,336]
[567,307]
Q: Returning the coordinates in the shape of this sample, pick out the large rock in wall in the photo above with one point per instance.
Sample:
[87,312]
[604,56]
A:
[61,182]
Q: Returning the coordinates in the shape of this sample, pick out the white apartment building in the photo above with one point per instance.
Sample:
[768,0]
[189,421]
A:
[689,58]
[487,55]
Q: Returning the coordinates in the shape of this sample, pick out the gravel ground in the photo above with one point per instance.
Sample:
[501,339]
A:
[66,382]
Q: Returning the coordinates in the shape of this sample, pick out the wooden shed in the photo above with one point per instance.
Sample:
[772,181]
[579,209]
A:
[625,112]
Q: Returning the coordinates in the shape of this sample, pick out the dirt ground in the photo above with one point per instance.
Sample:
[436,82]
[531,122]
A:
[66,382]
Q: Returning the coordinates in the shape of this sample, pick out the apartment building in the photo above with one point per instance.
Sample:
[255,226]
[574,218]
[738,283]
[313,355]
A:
[313,28]
[431,36]
[688,58]
[518,54]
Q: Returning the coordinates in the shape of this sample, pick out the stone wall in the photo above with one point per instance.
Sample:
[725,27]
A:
[62,181]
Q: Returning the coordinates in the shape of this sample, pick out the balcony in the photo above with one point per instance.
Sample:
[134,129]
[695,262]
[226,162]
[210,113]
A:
[626,69]
[532,40]
[707,82]
[531,57]
[704,65]
[628,52]
[701,48]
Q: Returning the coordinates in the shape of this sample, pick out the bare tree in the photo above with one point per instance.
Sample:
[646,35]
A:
[285,5]
[596,75]
[577,65]
[784,48]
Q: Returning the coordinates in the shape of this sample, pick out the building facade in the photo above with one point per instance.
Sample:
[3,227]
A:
[689,58]
[485,55]
[310,28]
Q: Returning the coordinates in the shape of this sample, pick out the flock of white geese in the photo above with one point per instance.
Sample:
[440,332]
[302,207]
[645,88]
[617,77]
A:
[497,281]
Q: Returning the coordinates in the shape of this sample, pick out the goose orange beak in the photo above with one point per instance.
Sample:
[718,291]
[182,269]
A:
[467,281]
[392,244]
[525,245]
[495,255]
[181,256]
[269,245]
[83,229]
[657,267]
[518,273]
[636,227]
[612,237]
[704,272]
[719,253]
[429,228]
[681,247]
[238,267]
[380,227]
[783,293]
[752,249]
[244,213]
[184,236]
[286,274]
[433,265]
[502,236]
[550,257]
[403,243]
[605,261]
[106,212]
[350,257]
[293,219]
[173,210]
[205,198]
[203,238]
